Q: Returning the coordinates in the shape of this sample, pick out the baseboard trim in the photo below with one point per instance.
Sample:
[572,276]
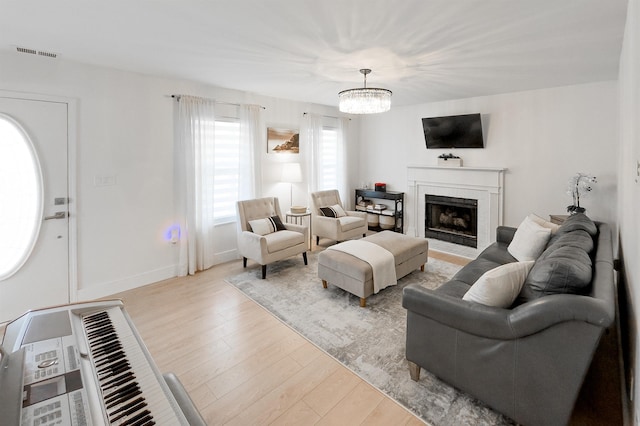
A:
[112,287]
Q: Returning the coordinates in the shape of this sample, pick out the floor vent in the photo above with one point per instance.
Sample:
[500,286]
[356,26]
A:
[36,52]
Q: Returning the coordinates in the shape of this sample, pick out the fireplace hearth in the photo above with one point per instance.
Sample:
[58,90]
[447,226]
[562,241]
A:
[451,219]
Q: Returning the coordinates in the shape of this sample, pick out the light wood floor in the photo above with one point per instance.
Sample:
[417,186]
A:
[242,366]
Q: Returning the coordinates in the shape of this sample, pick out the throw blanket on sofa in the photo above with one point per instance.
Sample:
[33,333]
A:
[381,260]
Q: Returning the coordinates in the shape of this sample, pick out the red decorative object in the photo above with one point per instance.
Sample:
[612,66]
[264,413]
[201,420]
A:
[380,186]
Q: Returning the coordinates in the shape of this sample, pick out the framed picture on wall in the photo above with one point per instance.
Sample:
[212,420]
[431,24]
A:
[282,141]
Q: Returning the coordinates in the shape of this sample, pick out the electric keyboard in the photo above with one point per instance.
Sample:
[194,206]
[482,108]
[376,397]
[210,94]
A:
[85,364]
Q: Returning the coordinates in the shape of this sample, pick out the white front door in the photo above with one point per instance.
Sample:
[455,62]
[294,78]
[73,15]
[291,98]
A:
[34,269]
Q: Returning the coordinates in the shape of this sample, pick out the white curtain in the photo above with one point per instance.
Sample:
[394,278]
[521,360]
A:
[343,175]
[195,131]
[311,133]
[251,136]
[311,137]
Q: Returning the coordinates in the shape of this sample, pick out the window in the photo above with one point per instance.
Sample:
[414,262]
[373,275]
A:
[21,188]
[226,176]
[328,167]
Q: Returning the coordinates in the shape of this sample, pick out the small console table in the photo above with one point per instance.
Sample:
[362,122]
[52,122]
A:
[398,206]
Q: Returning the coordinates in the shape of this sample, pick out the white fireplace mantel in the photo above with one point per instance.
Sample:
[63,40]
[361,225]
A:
[485,184]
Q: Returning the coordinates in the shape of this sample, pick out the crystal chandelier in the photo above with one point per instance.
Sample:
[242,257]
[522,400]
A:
[365,100]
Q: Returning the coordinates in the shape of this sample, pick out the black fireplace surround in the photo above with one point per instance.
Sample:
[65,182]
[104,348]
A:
[451,219]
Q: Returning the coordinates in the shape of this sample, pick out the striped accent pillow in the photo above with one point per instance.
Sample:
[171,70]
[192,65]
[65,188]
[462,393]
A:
[267,225]
[333,211]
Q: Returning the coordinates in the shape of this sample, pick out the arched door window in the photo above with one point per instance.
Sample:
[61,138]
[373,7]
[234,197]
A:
[21,196]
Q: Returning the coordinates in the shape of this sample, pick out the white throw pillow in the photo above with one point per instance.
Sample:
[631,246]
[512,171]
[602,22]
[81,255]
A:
[339,210]
[500,286]
[529,241]
[263,226]
[544,223]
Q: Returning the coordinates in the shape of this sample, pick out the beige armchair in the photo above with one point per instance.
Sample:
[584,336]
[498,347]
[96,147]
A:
[353,224]
[266,243]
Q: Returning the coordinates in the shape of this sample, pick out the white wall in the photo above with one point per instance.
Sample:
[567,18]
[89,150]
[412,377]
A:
[542,137]
[125,130]
[629,188]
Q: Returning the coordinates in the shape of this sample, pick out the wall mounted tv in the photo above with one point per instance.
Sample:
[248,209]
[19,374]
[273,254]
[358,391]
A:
[454,131]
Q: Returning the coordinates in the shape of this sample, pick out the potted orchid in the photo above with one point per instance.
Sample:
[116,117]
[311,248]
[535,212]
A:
[579,186]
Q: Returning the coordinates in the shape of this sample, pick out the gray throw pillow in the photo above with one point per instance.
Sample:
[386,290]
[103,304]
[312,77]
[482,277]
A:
[565,271]
[579,239]
[578,221]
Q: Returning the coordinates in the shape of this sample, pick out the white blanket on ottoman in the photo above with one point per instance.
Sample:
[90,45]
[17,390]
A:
[381,260]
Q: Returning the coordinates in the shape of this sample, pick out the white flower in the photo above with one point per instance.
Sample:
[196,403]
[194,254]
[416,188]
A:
[579,186]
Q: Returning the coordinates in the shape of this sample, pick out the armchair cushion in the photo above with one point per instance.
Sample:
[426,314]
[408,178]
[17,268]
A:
[281,240]
[347,223]
[267,225]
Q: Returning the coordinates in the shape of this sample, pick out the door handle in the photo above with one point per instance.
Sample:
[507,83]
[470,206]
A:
[57,215]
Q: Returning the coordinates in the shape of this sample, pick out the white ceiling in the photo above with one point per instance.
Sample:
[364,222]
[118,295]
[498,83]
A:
[309,50]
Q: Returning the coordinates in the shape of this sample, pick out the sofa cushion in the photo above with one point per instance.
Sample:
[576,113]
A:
[474,270]
[497,252]
[578,221]
[566,270]
[453,288]
[579,239]
[499,286]
[529,241]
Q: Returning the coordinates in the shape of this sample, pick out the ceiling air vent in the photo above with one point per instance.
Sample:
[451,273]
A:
[47,54]
[25,50]
[36,52]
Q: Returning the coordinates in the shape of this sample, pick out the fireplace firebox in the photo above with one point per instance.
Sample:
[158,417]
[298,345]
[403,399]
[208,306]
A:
[451,219]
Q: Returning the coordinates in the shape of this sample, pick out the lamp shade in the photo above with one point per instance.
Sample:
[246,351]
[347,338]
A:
[291,172]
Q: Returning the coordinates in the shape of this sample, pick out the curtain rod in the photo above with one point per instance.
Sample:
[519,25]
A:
[327,116]
[177,98]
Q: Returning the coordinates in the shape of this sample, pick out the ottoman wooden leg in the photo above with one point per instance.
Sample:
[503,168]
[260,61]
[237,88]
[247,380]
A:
[324,284]
[422,268]
[414,371]
[363,302]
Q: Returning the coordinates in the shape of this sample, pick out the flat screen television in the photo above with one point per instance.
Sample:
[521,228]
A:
[454,131]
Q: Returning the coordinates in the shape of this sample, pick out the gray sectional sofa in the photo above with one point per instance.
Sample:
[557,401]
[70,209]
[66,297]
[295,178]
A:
[527,361]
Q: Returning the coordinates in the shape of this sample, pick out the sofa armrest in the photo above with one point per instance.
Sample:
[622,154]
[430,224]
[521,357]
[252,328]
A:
[470,317]
[504,324]
[504,234]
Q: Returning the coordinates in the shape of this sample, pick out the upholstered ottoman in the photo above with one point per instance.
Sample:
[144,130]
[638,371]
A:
[356,276]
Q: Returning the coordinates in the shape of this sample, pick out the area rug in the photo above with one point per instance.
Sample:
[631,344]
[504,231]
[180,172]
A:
[370,341]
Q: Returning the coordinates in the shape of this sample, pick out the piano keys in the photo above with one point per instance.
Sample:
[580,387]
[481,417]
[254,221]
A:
[85,364]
